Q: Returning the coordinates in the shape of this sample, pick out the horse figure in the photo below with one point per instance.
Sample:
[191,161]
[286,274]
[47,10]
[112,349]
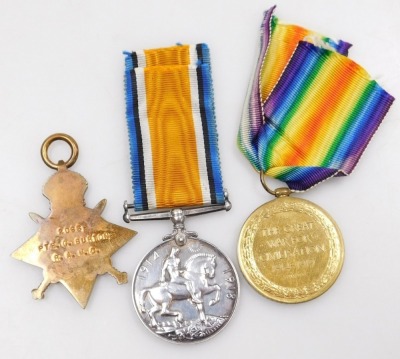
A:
[197,269]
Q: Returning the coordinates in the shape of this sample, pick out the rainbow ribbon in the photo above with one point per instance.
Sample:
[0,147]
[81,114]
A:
[172,129]
[310,111]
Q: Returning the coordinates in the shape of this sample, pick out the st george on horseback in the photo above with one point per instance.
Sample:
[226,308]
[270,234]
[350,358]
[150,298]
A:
[189,283]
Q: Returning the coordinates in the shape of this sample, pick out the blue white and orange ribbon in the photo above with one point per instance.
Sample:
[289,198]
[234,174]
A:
[172,129]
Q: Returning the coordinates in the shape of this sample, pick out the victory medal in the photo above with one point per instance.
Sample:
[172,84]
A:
[184,290]
[74,243]
[309,114]
[290,249]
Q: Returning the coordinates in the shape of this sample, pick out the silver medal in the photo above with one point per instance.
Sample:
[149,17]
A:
[185,289]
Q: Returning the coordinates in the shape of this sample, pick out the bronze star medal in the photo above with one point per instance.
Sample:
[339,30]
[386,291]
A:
[74,243]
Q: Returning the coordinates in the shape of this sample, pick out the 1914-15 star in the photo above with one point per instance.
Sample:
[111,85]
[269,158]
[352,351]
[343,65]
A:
[74,243]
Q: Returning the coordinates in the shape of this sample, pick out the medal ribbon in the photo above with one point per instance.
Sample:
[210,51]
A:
[310,111]
[172,129]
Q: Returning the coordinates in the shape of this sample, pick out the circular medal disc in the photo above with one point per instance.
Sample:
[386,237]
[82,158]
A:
[185,294]
[290,250]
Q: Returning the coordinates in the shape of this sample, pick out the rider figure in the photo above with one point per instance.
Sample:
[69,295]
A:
[171,266]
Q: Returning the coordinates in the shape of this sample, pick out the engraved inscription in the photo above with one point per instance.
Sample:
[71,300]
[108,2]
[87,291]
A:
[78,227]
[73,241]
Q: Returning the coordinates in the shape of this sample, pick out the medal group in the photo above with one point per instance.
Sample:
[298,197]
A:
[309,113]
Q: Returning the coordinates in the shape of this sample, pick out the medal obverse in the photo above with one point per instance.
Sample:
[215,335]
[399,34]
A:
[74,243]
[290,250]
[187,292]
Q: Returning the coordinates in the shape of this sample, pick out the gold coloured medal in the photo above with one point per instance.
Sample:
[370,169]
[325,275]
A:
[290,250]
[74,243]
[303,122]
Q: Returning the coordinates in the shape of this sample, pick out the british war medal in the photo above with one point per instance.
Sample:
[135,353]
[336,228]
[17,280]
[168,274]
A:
[185,289]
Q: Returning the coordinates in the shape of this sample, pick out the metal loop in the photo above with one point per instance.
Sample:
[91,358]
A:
[279,192]
[59,137]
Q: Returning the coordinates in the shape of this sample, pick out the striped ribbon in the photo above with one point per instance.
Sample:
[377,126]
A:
[172,129]
[310,111]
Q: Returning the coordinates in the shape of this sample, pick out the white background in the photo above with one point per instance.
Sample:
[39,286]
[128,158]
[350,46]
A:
[61,70]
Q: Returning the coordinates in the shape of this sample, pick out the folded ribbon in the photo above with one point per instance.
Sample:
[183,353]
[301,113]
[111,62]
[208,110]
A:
[172,129]
[310,111]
